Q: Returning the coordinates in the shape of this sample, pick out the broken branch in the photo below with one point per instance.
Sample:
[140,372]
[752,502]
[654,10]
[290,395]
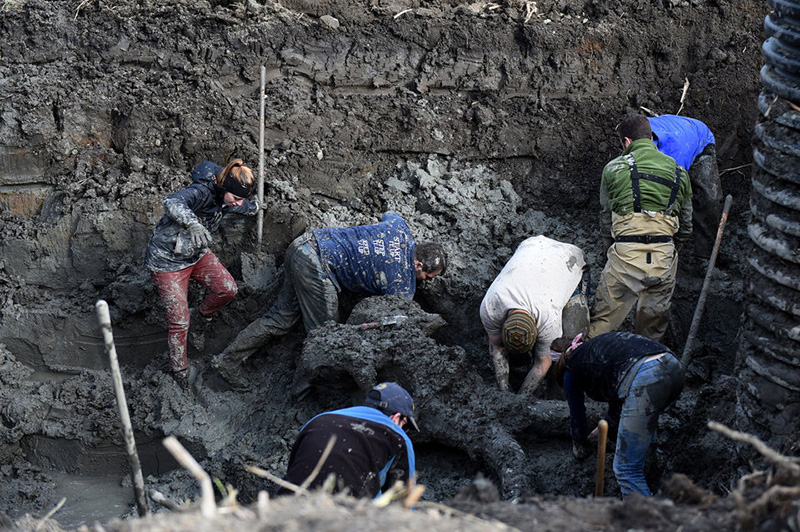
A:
[263,473]
[769,454]
[207,505]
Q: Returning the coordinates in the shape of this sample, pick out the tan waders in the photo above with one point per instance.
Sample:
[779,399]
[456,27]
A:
[637,273]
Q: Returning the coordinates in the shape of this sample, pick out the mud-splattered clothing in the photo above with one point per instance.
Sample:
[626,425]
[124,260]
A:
[638,378]
[539,278]
[173,259]
[370,259]
[680,137]
[170,248]
[691,143]
[371,452]
[173,287]
[647,199]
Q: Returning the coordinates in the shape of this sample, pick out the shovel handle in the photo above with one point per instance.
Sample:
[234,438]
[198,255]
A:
[602,435]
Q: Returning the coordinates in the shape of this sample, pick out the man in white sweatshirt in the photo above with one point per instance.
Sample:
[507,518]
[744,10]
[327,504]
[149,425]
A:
[522,310]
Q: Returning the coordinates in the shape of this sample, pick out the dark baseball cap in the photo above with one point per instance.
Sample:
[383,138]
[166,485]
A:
[392,397]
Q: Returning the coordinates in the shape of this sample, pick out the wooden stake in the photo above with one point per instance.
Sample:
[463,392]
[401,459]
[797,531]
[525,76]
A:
[260,215]
[602,435]
[698,311]
[104,318]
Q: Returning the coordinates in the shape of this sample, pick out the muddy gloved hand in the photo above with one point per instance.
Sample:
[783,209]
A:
[201,238]
[581,451]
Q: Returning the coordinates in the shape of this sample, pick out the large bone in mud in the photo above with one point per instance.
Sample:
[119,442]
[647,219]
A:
[456,408]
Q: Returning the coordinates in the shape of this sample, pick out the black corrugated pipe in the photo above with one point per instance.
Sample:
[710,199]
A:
[769,372]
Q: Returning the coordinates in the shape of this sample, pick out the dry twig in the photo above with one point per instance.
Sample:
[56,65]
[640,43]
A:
[159,498]
[728,170]
[769,496]
[207,505]
[317,468]
[683,95]
[263,473]
[396,492]
[51,512]
[263,504]
[772,456]
[83,4]
[788,470]
[413,492]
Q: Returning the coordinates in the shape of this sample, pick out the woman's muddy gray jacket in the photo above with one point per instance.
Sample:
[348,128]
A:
[170,248]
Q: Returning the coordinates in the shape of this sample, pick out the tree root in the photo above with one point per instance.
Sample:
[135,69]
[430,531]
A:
[777,491]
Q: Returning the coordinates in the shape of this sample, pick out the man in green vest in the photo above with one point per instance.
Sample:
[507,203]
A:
[647,198]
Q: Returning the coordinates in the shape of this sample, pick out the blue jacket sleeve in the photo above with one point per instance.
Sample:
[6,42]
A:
[577,409]
[247,208]
[180,205]
[389,216]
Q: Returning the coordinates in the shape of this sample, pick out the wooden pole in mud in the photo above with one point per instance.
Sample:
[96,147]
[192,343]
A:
[602,435]
[698,311]
[260,215]
[104,318]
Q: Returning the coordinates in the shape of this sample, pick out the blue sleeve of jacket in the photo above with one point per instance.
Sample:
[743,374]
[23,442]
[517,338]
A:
[577,409]
[247,208]
[180,205]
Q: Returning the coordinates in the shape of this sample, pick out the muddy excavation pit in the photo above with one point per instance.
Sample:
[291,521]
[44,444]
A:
[480,123]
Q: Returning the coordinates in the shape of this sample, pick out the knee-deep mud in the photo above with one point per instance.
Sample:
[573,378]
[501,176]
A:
[480,123]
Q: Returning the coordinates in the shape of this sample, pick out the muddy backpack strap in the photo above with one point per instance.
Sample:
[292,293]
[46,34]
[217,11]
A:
[637,194]
[675,186]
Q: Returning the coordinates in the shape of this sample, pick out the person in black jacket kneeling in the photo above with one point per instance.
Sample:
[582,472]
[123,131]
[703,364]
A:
[371,451]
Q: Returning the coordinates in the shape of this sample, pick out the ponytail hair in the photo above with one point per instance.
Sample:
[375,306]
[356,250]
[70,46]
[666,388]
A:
[237,179]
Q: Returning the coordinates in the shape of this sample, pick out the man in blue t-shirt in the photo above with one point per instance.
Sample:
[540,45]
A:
[379,259]
[691,143]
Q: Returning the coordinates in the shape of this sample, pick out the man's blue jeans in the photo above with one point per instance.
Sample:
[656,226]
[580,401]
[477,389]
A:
[656,385]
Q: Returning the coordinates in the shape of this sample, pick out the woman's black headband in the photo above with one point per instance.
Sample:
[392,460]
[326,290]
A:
[233,185]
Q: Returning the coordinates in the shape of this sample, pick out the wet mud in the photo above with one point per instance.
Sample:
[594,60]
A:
[481,124]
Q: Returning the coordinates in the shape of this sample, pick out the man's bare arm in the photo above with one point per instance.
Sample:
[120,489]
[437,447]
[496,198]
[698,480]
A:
[499,361]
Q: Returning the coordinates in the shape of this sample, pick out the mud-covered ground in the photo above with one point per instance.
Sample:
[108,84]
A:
[481,123]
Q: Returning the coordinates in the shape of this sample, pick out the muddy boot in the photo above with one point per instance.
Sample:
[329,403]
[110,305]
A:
[575,316]
[185,378]
[197,328]
[230,367]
